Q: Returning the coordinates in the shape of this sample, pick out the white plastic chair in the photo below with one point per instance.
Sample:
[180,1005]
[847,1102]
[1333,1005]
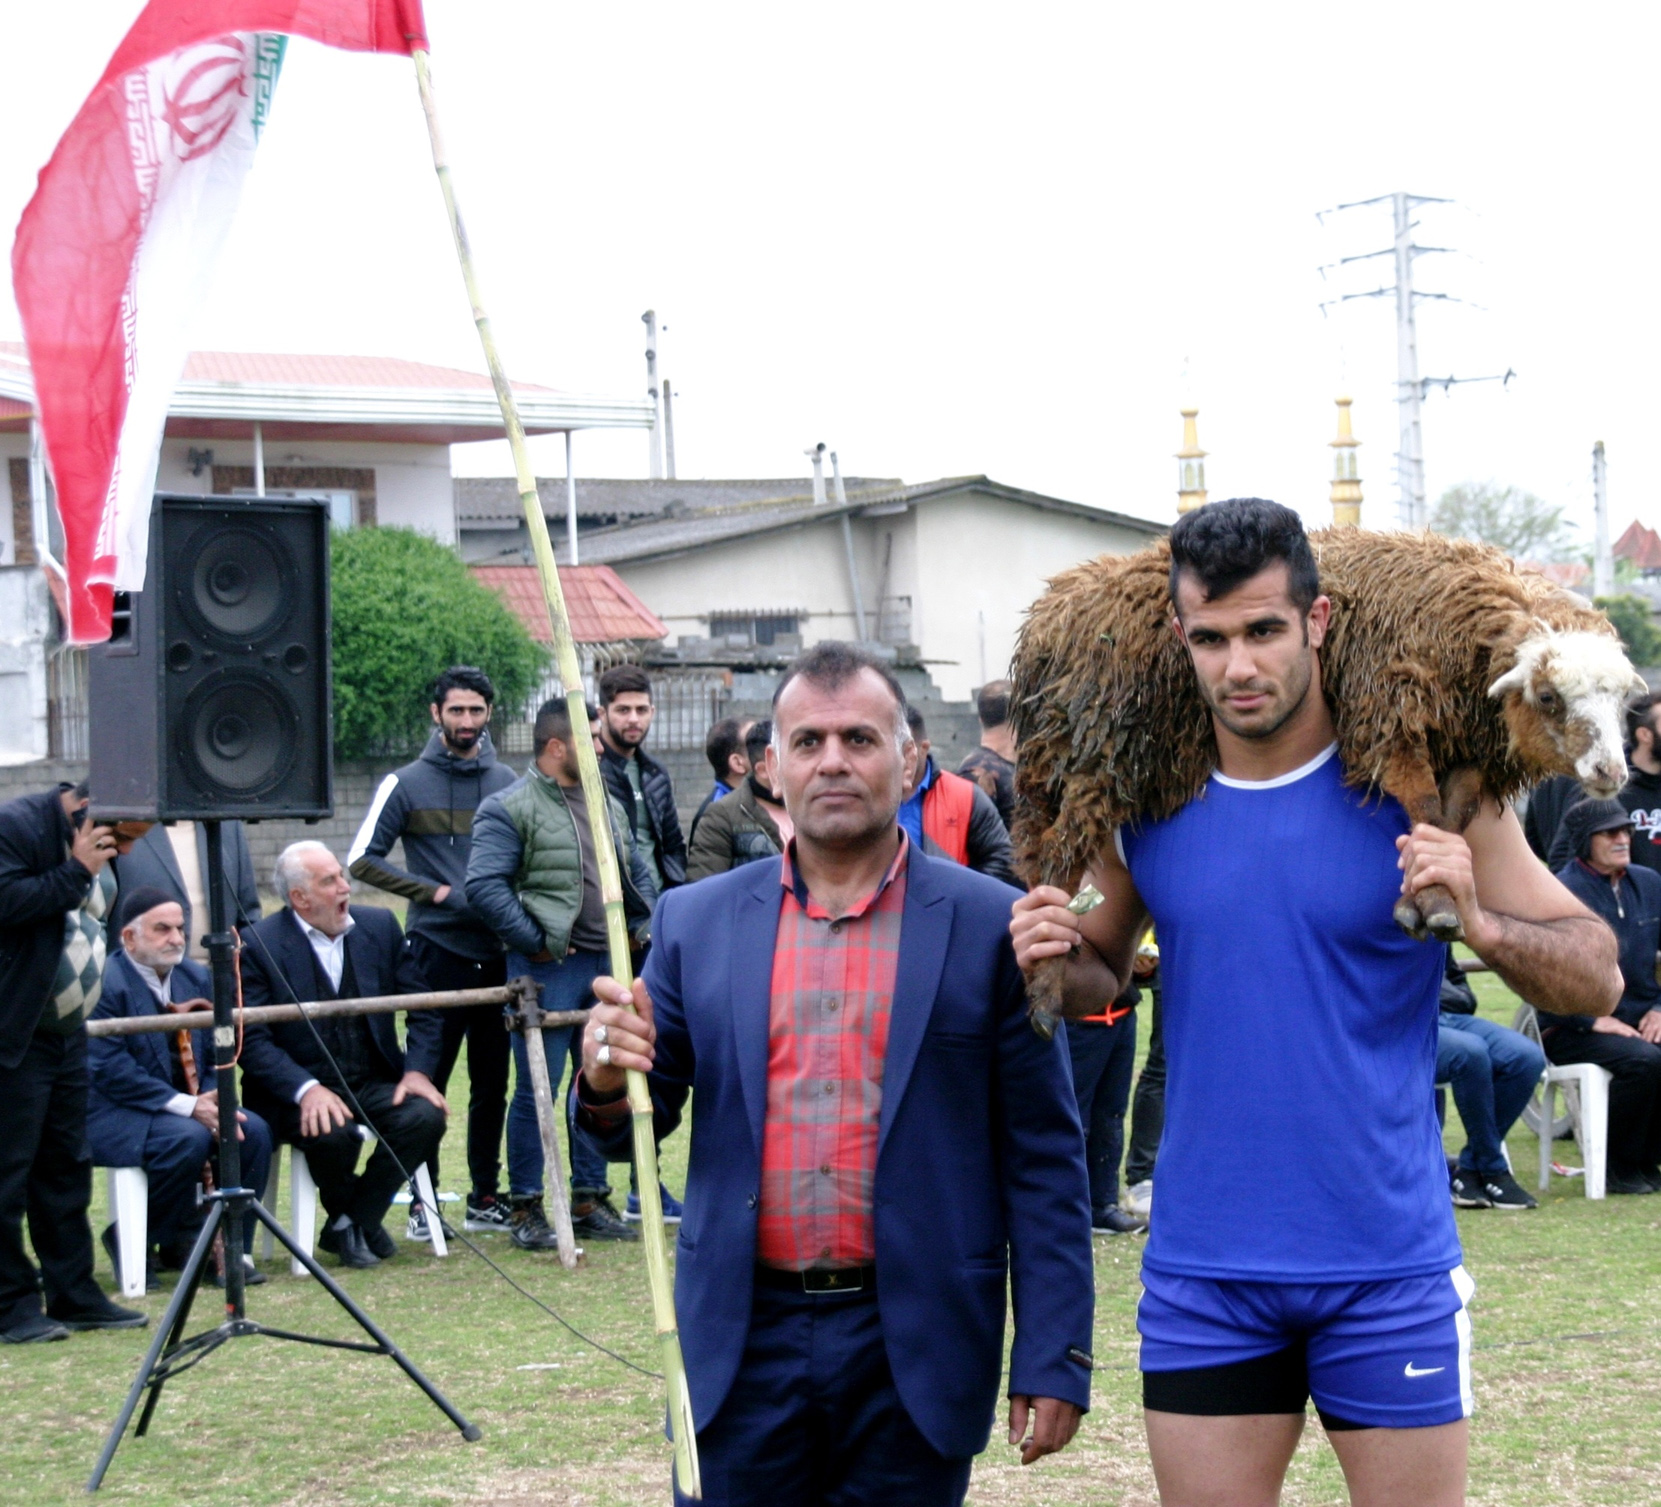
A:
[1585,1089]
[302,1219]
[129,1189]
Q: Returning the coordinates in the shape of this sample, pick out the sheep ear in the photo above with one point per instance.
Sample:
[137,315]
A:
[1640,686]
[1514,679]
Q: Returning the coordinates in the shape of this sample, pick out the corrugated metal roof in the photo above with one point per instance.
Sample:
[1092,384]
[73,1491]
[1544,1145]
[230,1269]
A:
[493,501]
[602,609]
[664,537]
[333,371]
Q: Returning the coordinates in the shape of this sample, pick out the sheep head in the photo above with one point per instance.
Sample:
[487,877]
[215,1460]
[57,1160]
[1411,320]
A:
[1564,702]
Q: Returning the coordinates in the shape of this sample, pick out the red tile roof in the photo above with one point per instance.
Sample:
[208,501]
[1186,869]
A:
[1640,545]
[1570,574]
[603,610]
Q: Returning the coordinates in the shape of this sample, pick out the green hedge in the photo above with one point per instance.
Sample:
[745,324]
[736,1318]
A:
[405,609]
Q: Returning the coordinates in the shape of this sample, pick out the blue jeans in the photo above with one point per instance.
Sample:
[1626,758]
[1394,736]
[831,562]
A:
[1493,1073]
[566,985]
[1104,1058]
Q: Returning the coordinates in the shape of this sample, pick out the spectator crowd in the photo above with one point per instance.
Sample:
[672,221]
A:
[499,879]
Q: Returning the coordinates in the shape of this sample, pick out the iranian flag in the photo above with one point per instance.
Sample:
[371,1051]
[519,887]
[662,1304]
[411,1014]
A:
[115,250]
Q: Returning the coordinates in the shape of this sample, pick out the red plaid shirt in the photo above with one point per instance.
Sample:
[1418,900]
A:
[827,1038]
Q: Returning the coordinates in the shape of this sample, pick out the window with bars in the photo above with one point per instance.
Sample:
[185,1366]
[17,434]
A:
[755,627]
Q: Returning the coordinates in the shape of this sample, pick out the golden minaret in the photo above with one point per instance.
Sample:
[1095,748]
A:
[1190,465]
[1346,480]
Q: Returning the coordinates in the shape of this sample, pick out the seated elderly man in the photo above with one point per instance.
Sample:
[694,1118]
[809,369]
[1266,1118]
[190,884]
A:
[1627,1043]
[306,1078]
[151,1100]
[1493,1072]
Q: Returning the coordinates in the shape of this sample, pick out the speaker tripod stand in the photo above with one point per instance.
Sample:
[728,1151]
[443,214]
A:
[170,1353]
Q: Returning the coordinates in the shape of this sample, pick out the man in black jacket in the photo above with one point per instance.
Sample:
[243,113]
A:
[1641,795]
[1627,1043]
[429,806]
[56,892]
[318,948]
[637,779]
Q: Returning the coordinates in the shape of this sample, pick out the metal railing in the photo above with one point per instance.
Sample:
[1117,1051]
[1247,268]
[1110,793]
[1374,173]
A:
[66,702]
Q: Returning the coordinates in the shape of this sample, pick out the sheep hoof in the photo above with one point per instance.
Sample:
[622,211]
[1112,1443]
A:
[1408,918]
[1445,927]
[1043,1023]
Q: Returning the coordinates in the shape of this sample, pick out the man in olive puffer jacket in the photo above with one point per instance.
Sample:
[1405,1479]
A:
[532,876]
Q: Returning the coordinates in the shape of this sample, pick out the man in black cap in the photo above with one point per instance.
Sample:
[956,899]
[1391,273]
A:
[1627,1043]
[152,1102]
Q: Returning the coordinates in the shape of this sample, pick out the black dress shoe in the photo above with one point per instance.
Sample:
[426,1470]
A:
[378,1241]
[152,1283]
[1627,1184]
[349,1246]
[106,1315]
[34,1330]
[252,1276]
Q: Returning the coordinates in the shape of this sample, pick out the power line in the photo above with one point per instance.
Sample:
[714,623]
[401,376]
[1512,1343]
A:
[1411,388]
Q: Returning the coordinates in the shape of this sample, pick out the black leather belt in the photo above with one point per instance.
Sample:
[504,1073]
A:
[818,1279]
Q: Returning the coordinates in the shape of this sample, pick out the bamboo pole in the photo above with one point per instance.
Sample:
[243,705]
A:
[598,803]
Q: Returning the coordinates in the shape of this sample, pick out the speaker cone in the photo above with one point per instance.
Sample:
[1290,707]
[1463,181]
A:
[240,732]
[237,581]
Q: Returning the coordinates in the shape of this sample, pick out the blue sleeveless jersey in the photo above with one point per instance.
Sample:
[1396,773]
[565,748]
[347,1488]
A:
[1300,1141]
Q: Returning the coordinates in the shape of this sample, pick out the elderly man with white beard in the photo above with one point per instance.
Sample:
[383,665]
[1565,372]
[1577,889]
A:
[152,1101]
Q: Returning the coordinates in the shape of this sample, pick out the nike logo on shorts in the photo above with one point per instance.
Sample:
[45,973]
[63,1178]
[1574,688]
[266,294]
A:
[1411,1370]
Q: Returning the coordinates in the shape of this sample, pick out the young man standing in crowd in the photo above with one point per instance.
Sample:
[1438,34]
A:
[1641,796]
[57,891]
[429,806]
[1304,1241]
[748,825]
[948,816]
[881,1143]
[636,778]
[992,765]
[534,879]
[728,762]
[1628,1043]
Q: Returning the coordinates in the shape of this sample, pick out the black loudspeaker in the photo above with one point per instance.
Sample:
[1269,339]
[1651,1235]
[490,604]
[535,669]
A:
[211,699]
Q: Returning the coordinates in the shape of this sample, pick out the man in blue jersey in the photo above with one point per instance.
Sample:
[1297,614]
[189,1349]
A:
[1304,1243]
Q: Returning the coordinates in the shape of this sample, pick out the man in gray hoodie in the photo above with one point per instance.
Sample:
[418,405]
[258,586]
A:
[429,805]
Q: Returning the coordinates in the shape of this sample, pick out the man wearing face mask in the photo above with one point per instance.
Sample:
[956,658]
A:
[152,1102]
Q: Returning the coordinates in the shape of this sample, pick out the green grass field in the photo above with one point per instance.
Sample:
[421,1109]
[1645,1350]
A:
[1568,1370]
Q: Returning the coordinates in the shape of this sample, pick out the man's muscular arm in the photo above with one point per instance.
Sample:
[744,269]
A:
[1099,945]
[1518,919]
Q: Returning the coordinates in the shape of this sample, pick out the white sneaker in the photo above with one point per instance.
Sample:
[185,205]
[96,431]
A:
[416,1229]
[1138,1199]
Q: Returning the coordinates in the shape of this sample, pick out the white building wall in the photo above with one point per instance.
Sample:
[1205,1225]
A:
[412,482]
[983,560]
[801,570]
[25,620]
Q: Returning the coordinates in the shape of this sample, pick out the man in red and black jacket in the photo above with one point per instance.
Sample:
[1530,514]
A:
[948,816]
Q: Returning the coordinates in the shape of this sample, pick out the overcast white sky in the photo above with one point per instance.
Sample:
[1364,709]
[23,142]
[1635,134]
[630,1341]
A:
[955,238]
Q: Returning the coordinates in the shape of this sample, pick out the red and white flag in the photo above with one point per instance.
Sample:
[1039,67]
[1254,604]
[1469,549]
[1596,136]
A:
[114,252]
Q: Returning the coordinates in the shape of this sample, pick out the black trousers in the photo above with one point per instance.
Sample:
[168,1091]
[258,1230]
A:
[410,1131]
[1103,1057]
[1634,1096]
[1147,1109]
[488,1055]
[46,1176]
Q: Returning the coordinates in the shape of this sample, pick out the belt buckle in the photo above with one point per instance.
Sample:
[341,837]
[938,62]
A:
[833,1280]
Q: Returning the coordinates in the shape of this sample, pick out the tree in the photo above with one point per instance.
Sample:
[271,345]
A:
[1631,617]
[1525,526]
[406,608]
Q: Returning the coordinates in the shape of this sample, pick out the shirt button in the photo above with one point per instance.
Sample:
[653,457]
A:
[824,1168]
[836,927]
[824,1250]
[830,1088]
[830,1004]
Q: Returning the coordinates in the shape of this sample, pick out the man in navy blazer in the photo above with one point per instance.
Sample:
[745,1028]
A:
[881,1142]
[147,1107]
[318,947]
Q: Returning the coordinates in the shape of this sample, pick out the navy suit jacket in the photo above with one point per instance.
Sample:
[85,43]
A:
[278,968]
[980,1177]
[131,1077]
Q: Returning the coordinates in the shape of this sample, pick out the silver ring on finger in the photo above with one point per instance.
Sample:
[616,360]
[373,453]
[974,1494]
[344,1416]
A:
[600,1035]
[603,1056]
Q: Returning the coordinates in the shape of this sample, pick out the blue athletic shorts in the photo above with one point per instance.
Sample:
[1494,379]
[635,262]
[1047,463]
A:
[1393,1354]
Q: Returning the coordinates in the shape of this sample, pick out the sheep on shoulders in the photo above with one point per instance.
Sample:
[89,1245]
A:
[1452,677]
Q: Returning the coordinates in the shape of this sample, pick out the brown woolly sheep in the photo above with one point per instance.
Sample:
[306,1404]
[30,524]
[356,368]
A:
[1450,675]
